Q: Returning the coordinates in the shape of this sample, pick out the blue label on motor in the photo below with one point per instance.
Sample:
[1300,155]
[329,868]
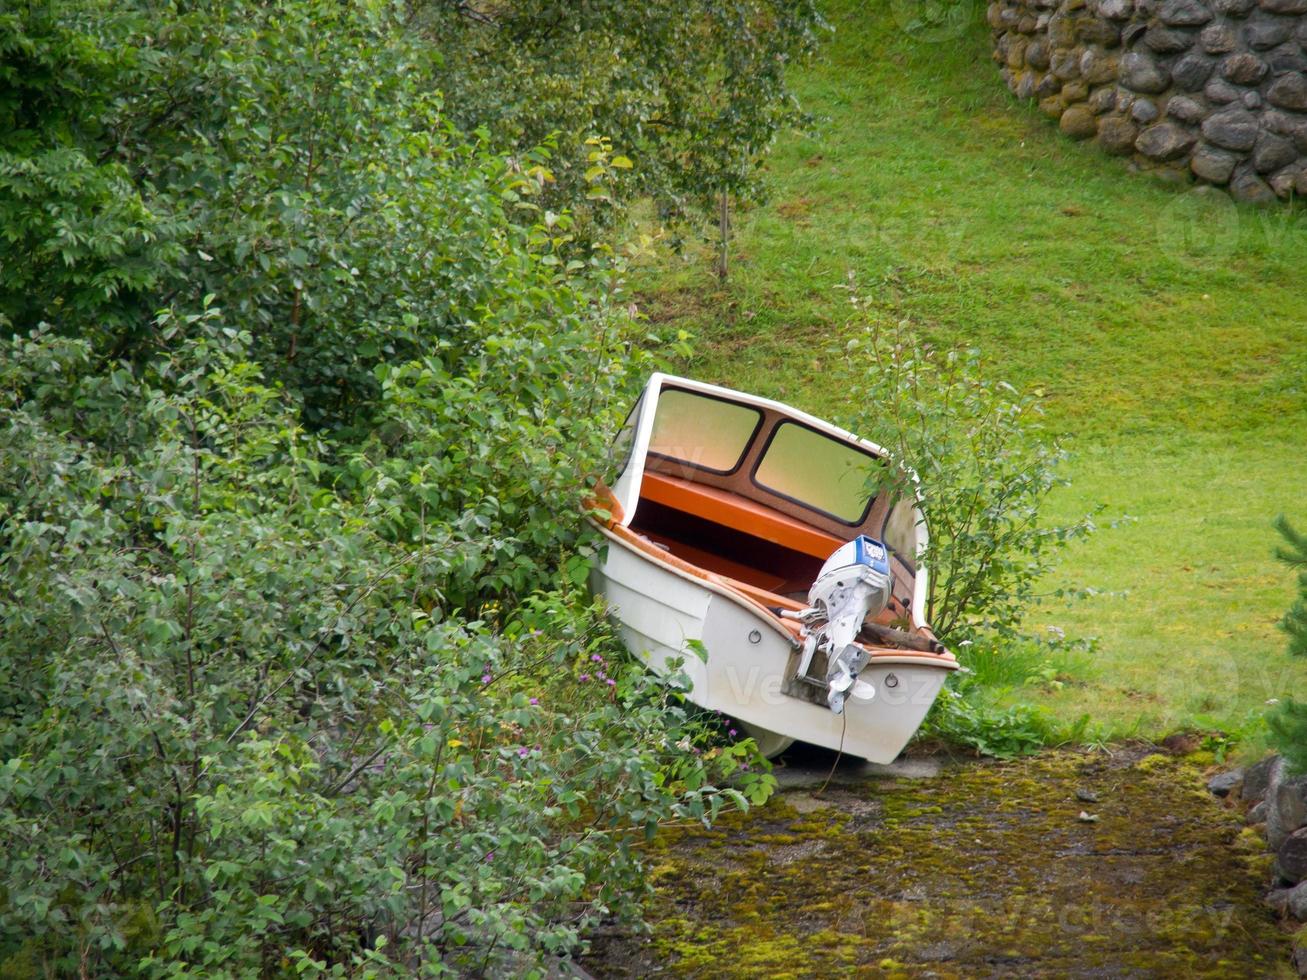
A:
[871,552]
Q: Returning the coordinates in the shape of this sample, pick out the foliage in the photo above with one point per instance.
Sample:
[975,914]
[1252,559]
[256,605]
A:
[1288,721]
[973,453]
[240,727]
[301,394]
[691,92]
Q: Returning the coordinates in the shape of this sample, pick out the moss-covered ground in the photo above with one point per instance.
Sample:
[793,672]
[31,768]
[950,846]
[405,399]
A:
[985,871]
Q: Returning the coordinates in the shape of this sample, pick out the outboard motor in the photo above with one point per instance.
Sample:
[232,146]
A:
[854,583]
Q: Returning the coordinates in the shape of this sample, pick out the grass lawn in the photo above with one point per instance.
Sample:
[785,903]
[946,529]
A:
[1168,329]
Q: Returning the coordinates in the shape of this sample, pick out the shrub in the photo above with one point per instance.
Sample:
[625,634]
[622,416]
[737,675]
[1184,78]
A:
[1288,721]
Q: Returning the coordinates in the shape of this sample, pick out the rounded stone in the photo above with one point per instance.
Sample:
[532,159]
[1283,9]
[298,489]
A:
[1116,9]
[1213,165]
[1103,99]
[1234,8]
[1061,31]
[1251,100]
[1078,123]
[1231,129]
[1168,40]
[1286,58]
[1251,189]
[1142,73]
[1243,68]
[1288,124]
[1025,87]
[1183,13]
[1266,31]
[1052,106]
[1291,856]
[1289,92]
[1091,30]
[1221,92]
[1065,65]
[1284,6]
[1191,72]
[1037,54]
[1164,141]
[1186,110]
[1048,85]
[1144,111]
[1272,152]
[1027,25]
[994,15]
[1016,52]
[1117,135]
[1218,39]
[1073,92]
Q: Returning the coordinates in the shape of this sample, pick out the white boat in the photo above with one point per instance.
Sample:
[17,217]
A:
[763,551]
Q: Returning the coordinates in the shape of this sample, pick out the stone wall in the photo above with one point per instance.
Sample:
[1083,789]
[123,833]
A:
[1213,90]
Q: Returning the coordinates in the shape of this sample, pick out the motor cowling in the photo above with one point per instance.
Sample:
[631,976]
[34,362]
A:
[855,582]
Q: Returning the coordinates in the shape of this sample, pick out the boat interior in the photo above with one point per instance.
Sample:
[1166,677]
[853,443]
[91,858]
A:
[761,500]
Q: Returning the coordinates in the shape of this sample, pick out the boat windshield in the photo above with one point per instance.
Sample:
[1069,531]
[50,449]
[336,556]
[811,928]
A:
[702,431]
[817,471]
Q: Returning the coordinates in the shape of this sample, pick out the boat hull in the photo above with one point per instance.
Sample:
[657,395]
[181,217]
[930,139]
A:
[661,609]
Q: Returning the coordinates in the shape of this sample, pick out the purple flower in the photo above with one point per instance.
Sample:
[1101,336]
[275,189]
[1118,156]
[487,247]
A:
[485,678]
[611,682]
[601,675]
[523,752]
[490,856]
[732,733]
[584,677]
[534,701]
[596,658]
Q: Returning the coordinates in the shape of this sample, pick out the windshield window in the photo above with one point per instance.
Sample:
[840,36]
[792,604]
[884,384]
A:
[705,432]
[819,472]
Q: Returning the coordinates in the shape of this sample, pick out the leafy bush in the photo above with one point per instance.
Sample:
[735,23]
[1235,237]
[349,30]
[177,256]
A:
[240,727]
[1288,721]
[973,454]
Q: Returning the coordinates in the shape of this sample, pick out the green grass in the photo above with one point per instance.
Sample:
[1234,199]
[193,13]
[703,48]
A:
[1168,330]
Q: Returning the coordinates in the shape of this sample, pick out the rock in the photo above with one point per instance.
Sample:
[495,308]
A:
[1183,13]
[1117,135]
[1098,69]
[1016,52]
[1288,124]
[1168,40]
[1101,100]
[1094,31]
[1289,92]
[1116,9]
[1277,900]
[1048,85]
[1061,31]
[1250,189]
[1215,166]
[1234,8]
[1291,857]
[1300,952]
[994,15]
[1132,33]
[1086,796]
[1164,141]
[1025,87]
[1285,6]
[1258,813]
[1073,92]
[1273,152]
[1142,73]
[1298,902]
[1087,817]
[1037,54]
[1144,111]
[1186,110]
[1065,65]
[1217,39]
[1078,123]
[1027,25]
[1286,58]
[1290,180]
[1243,68]
[1224,783]
[1251,100]
[1258,777]
[1191,71]
[1263,31]
[1286,810]
[1232,129]
[1220,91]
[1052,107]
